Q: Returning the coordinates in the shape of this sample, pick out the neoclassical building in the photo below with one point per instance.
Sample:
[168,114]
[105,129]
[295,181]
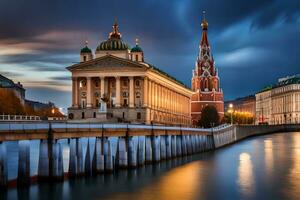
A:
[132,90]
[280,103]
[205,80]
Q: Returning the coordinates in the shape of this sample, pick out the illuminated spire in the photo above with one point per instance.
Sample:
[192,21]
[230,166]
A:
[136,41]
[204,23]
[115,32]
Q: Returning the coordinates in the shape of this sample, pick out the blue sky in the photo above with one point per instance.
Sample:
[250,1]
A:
[253,42]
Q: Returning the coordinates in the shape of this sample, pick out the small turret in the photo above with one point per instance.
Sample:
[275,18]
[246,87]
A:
[137,53]
[86,53]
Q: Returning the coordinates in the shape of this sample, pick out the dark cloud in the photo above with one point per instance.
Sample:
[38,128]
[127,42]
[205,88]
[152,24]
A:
[61,78]
[286,11]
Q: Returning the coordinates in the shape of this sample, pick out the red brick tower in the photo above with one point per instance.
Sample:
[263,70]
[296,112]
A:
[205,81]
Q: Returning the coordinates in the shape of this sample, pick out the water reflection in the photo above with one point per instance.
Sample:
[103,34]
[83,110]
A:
[294,173]
[245,174]
[268,148]
[266,167]
[180,183]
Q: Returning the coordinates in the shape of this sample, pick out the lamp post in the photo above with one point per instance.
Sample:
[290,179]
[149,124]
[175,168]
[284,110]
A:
[230,110]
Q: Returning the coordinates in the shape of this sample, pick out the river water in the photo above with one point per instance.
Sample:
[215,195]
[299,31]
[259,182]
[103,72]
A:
[265,167]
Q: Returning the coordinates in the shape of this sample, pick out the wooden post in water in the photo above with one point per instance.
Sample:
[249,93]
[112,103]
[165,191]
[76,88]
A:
[141,151]
[3,166]
[183,145]
[43,167]
[148,149]
[72,159]
[178,146]
[168,147]
[23,178]
[121,155]
[98,157]
[132,154]
[155,148]
[163,147]
[173,146]
[56,161]
[87,164]
[108,158]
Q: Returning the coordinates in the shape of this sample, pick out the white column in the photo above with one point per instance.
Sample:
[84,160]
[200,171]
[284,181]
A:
[118,91]
[75,91]
[102,86]
[150,94]
[131,91]
[89,92]
[145,92]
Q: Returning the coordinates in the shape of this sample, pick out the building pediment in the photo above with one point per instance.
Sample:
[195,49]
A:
[107,62]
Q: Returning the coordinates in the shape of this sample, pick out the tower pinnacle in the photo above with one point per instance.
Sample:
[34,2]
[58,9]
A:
[204,23]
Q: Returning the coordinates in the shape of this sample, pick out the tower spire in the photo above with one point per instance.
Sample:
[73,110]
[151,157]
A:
[204,23]
[115,32]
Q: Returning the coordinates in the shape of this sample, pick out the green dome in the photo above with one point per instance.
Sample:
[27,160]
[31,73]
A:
[86,50]
[137,48]
[112,44]
[114,41]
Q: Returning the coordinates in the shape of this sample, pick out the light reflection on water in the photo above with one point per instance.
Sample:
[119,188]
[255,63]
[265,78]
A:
[180,183]
[245,174]
[266,167]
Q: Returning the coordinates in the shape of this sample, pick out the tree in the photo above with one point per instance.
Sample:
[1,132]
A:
[239,118]
[10,103]
[209,117]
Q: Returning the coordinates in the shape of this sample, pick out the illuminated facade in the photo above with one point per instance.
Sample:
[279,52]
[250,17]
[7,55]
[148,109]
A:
[205,81]
[279,104]
[243,105]
[132,90]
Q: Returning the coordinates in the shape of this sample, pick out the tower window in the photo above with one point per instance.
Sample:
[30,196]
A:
[84,58]
[136,57]
[82,115]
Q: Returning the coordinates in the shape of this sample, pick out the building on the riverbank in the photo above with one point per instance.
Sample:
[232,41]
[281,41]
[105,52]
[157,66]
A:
[16,88]
[280,103]
[116,84]
[205,80]
[242,105]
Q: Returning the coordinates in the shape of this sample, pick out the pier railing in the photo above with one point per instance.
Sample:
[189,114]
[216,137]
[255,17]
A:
[19,118]
[42,130]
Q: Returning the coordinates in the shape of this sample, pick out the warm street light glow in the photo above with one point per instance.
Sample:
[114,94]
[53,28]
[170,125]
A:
[231,105]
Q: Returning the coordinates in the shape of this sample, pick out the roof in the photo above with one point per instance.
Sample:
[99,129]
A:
[137,48]
[138,64]
[168,75]
[266,88]
[86,49]
[282,82]
[6,82]
[288,81]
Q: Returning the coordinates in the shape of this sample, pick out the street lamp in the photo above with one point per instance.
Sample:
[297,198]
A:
[230,110]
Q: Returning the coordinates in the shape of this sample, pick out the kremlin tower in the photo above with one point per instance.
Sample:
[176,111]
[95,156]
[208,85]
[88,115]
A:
[205,81]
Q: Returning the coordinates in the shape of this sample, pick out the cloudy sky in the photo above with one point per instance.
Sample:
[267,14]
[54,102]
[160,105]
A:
[254,42]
